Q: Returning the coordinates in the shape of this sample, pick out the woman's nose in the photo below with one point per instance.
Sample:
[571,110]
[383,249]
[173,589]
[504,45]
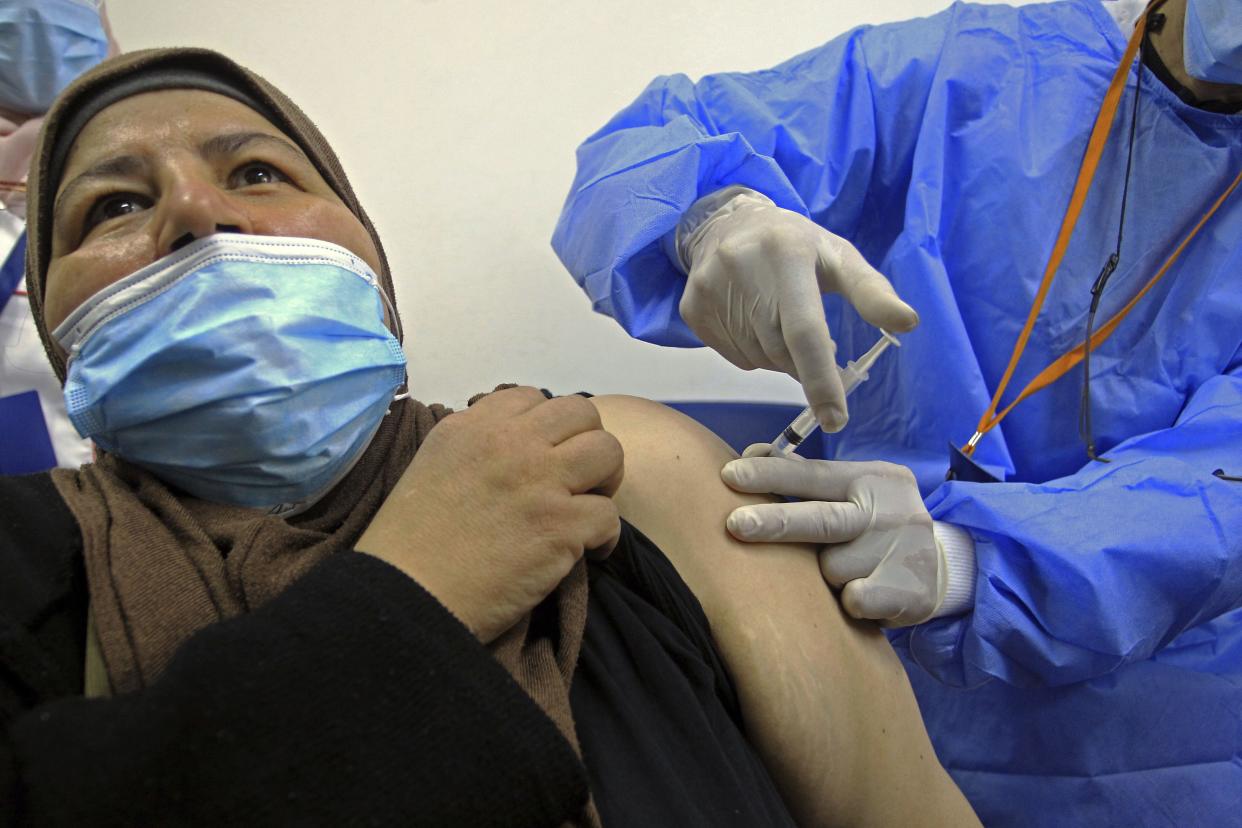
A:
[195,207]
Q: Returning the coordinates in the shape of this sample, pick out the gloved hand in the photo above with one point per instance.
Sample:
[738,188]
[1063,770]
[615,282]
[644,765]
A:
[878,542]
[755,275]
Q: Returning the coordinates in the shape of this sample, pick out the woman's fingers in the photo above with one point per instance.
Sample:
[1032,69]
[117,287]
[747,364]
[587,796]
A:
[561,418]
[600,524]
[511,402]
[592,461]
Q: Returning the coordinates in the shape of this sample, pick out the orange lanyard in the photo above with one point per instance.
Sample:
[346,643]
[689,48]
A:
[1086,174]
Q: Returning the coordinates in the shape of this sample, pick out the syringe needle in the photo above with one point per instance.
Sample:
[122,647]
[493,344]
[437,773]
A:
[853,375]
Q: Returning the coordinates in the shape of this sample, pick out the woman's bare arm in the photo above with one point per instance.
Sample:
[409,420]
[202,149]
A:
[826,701]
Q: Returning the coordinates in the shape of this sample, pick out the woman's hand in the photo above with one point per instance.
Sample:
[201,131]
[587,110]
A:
[500,503]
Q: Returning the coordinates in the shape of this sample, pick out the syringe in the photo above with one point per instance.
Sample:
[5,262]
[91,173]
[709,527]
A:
[853,375]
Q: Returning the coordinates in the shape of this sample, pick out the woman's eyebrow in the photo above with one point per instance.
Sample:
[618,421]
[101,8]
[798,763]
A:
[117,166]
[230,143]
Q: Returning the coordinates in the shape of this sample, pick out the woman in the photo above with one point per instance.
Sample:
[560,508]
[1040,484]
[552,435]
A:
[221,310]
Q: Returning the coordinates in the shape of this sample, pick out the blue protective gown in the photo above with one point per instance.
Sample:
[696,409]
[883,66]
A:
[1099,678]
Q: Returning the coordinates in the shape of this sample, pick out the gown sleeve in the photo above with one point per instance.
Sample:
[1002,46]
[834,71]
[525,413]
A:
[1081,575]
[829,134]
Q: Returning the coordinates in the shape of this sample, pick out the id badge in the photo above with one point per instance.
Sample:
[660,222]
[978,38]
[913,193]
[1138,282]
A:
[962,467]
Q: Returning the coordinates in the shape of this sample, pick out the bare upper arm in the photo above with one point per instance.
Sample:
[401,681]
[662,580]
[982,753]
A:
[673,493]
[825,699]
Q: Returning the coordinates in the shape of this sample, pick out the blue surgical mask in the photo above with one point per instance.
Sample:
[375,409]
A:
[1212,40]
[251,370]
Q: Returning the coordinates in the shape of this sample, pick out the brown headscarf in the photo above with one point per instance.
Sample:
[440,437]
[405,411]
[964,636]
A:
[161,565]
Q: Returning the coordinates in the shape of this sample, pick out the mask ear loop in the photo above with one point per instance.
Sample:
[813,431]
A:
[396,321]
[1085,430]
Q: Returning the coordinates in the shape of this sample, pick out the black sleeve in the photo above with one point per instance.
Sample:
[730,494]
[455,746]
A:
[43,596]
[353,698]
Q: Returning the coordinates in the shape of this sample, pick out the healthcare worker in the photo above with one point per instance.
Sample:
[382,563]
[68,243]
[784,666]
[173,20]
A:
[44,44]
[1069,606]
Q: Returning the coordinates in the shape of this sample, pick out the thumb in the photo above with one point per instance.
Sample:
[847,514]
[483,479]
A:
[891,606]
[868,602]
[843,269]
[758,450]
[765,450]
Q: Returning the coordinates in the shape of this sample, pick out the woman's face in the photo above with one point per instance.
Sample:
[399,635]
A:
[152,172]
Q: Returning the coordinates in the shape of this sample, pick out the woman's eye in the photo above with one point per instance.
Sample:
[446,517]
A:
[255,174]
[115,206]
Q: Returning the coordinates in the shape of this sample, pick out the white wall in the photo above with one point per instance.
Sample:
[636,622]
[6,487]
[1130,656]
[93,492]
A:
[457,122]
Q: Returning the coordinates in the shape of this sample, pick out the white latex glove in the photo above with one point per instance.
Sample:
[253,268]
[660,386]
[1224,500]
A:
[755,275]
[879,545]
